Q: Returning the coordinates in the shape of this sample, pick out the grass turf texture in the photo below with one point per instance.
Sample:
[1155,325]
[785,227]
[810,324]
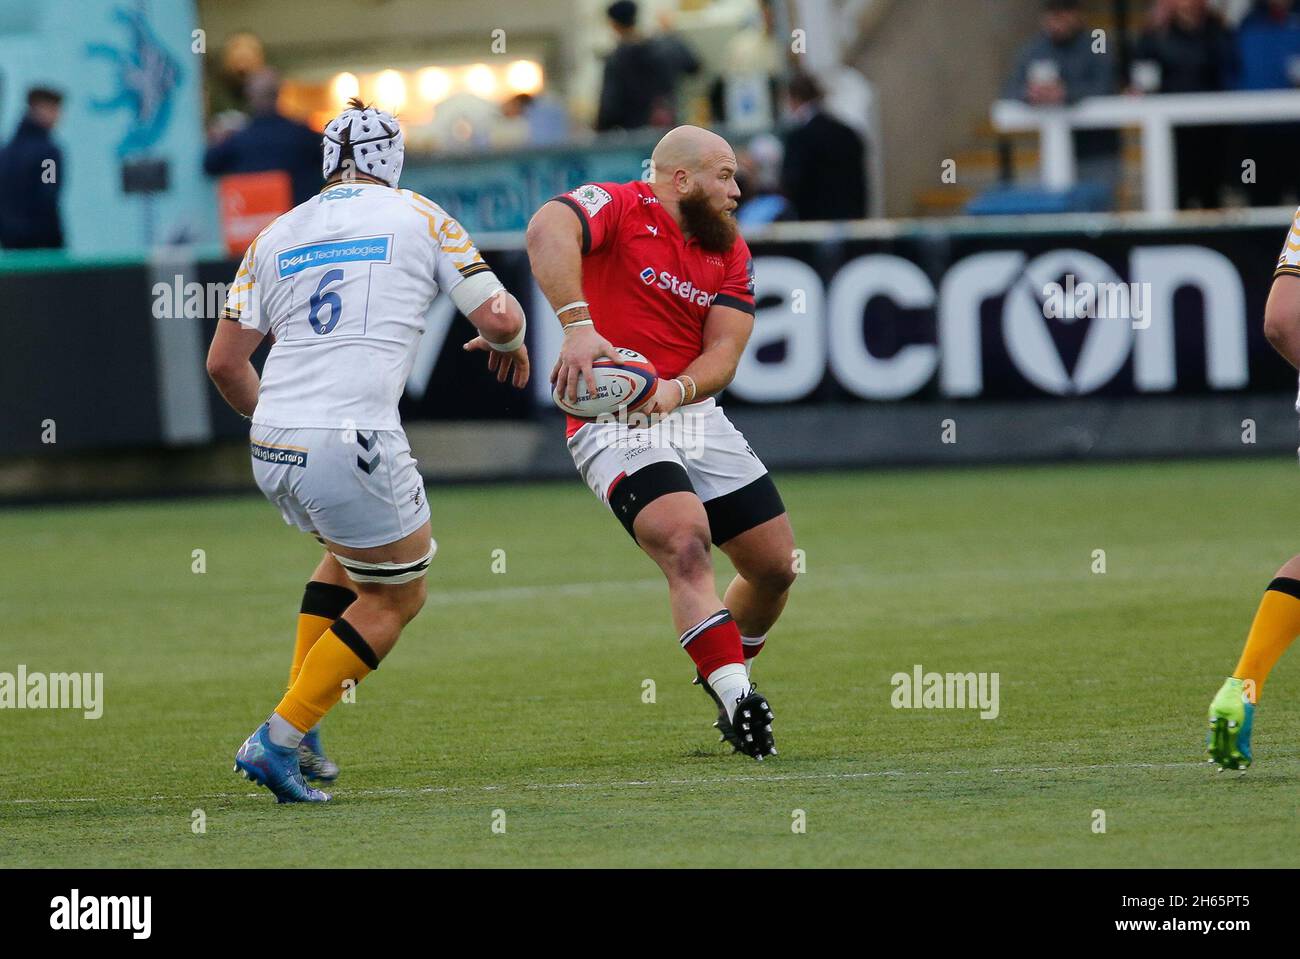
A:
[522,691]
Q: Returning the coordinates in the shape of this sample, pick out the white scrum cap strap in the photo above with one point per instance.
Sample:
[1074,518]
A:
[373,139]
[389,574]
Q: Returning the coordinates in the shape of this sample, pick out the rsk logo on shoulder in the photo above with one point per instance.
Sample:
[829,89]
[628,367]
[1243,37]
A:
[685,289]
[341,193]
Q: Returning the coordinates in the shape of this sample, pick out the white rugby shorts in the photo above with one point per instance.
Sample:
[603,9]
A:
[698,437]
[357,488]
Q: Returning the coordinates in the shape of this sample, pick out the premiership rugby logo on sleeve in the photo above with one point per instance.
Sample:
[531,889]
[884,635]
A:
[280,455]
[591,198]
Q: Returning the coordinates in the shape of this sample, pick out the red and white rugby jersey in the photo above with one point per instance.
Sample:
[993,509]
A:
[649,287]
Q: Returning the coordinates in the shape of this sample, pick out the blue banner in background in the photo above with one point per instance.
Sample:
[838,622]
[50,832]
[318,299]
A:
[132,80]
[501,193]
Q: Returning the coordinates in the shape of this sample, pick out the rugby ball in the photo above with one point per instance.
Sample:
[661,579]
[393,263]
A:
[622,385]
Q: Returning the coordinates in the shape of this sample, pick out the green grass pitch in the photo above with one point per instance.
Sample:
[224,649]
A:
[522,691]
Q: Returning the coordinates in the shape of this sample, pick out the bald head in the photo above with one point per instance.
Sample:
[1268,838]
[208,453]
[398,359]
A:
[694,178]
[693,150]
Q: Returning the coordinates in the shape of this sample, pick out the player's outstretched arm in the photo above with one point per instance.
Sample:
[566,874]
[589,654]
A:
[726,332]
[500,322]
[1282,317]
[554,241]
[229,365]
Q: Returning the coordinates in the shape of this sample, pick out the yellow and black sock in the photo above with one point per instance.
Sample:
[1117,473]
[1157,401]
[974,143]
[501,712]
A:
[340,655]
[1276,625]
[322,603]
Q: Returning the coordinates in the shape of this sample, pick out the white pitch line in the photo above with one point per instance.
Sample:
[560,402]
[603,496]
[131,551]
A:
[631,783]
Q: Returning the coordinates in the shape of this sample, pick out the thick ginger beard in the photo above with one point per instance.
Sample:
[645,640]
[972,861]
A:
[715,229]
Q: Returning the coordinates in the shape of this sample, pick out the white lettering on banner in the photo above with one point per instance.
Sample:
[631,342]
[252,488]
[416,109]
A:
[1028,337]
[854,286]
[803,334]
[968,284]
[1168,269]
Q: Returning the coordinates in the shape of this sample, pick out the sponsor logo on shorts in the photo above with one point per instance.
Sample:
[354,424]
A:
[280,455]
[683,431]
[369,249]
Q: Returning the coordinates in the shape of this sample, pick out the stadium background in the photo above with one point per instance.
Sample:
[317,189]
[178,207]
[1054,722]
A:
[911,338]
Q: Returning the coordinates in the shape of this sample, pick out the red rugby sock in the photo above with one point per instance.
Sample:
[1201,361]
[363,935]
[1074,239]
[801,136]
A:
[713,642]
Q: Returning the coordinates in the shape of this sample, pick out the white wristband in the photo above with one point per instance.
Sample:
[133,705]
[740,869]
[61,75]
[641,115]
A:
[515,342]
[568,326]
[571,306]
[682,387]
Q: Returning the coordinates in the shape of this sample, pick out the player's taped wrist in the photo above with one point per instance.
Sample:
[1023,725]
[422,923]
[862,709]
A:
[681,386]
[689,390]
[587,322]
[514,342]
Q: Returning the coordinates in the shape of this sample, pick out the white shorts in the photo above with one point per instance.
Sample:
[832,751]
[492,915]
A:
[699,438]
[357,488]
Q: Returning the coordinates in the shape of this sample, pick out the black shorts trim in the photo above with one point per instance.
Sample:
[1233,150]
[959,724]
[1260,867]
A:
[635,491]
[742,510]
[572,204]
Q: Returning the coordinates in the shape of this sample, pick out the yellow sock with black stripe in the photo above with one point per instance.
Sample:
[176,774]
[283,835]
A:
[1276,625]
[322,603]
[339,656]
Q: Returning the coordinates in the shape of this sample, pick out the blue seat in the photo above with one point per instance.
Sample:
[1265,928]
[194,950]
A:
[1011,200]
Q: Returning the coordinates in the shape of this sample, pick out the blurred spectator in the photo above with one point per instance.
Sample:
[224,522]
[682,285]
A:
[269,141]
[1059,66]
[759,179]
[1191,49]
[746,94]
[242,55]
[546,122]
[637,87]
[29,215]
[824,170]
[678,60]
[466,122]
[1268,43]
[1268,47]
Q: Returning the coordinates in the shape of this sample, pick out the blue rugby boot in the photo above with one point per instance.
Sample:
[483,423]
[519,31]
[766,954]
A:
[275,767]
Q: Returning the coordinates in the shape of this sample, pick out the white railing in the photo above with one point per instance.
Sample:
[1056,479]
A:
[1156,114]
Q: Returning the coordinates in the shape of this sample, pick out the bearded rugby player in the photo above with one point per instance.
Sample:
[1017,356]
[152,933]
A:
[659,267]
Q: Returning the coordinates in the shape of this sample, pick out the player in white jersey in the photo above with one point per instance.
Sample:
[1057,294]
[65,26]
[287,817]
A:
[341,284]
